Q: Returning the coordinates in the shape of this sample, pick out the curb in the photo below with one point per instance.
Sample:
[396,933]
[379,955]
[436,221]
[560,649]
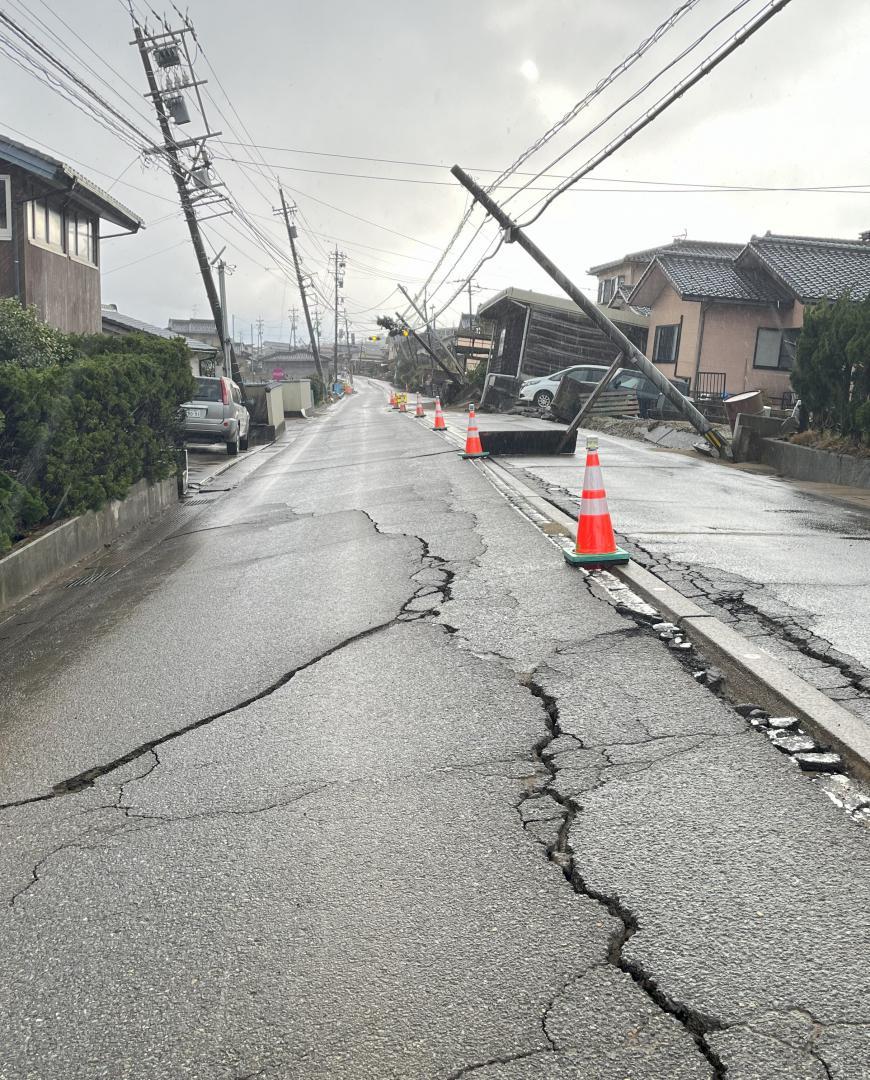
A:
[751,674]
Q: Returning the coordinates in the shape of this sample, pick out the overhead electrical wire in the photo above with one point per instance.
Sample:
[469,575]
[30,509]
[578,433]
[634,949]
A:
[719,53]
[620,69]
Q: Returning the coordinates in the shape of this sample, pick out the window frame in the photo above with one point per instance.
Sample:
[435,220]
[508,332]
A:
[6,206]
[782,331]
[677,328]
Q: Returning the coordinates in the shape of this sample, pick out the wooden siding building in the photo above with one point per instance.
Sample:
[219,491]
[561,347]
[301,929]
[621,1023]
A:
[50,236]
[536,334]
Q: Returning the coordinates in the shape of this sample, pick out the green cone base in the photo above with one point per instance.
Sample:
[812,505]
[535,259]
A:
[618,556]
[484,454]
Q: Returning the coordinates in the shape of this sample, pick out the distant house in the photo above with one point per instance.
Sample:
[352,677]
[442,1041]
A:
[727,317]
[204,330]
[204,359]
[536,334]
[50,236]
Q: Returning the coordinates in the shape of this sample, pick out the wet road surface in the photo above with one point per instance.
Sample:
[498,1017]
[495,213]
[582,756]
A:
[375,787]
[787,567]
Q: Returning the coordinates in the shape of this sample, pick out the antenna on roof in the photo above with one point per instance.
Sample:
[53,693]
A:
[681,236]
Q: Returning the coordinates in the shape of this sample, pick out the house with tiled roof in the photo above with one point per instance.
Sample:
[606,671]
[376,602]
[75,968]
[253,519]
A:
[617,278]
[727,317]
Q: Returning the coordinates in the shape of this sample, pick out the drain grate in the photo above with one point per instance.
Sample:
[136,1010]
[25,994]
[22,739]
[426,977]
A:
[92,577]
[197,501]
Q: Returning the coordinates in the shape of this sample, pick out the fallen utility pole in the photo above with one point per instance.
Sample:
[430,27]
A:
[312,337]
[514,234]
[422,315]
[452,375]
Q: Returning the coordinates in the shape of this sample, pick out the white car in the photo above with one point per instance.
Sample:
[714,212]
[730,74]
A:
[542,390]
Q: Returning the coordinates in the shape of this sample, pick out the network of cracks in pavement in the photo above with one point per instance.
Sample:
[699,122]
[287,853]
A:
[785,631]
[527,844]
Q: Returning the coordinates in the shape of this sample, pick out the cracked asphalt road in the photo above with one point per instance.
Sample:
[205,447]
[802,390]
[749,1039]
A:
[422,807]
[777,560]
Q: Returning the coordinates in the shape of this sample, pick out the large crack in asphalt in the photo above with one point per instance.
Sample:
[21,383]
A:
[428,595]
[696,1024]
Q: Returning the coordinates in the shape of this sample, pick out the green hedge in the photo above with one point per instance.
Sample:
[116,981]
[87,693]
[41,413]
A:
[81,431]
[832,372]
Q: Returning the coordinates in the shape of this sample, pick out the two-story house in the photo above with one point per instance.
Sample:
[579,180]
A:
[727,317]
[50,236]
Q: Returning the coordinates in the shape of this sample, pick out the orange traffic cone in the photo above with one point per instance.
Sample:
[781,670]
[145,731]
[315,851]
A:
[402,399]
[473,446]
[392,402]
[439,416]
[596,543]
[418,411]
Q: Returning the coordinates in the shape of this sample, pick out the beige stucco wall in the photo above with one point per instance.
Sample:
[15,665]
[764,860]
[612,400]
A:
[728,342]
[730,331]
[668,310]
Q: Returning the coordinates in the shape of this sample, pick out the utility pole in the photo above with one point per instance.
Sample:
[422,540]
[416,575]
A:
[223,331]
[172,45]
[422,315]
[313,338]
[260,337]
[338,265]
[514,234]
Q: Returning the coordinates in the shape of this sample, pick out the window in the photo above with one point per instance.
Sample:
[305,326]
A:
[46,224]
[608,287]
[775,349]
[5,208]
[81,238]
[666,344]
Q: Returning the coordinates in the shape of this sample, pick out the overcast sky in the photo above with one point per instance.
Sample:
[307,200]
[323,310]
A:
[473,82]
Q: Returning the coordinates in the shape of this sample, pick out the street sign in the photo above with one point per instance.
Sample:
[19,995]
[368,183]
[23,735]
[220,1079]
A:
[277,374]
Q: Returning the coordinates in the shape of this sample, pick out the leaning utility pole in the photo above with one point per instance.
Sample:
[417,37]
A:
[312,337]
[170,45]
[514,234]
[438,338]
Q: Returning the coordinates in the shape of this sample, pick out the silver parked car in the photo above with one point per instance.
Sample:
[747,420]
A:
[216,413]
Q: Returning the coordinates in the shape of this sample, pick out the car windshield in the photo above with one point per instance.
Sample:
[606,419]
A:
[207,390]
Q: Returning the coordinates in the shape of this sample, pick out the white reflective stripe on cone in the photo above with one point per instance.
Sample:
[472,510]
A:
[594,507]
[592,478]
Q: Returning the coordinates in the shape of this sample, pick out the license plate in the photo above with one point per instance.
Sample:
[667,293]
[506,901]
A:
[195,412]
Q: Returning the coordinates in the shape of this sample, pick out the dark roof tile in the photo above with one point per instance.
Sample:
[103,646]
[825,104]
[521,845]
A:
[812,268]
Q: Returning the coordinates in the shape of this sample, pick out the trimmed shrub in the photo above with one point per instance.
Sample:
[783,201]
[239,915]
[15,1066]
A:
[83,428]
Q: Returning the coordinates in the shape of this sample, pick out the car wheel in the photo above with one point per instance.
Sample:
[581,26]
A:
[233,447]
[543,399]
[243,442]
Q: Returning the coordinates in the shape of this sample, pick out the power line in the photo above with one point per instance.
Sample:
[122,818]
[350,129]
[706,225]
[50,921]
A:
[750,27]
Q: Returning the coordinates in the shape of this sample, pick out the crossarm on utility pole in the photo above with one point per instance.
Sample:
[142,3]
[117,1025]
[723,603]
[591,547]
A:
[513,233]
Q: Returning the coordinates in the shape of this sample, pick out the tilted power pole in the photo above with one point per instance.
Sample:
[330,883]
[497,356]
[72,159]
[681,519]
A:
[313,337]
[172,46]
[514,234]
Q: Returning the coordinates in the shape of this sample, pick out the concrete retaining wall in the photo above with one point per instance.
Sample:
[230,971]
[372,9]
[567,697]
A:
[39,560]
[820,466]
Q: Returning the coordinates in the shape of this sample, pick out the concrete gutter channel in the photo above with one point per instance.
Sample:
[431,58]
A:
[751,674]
